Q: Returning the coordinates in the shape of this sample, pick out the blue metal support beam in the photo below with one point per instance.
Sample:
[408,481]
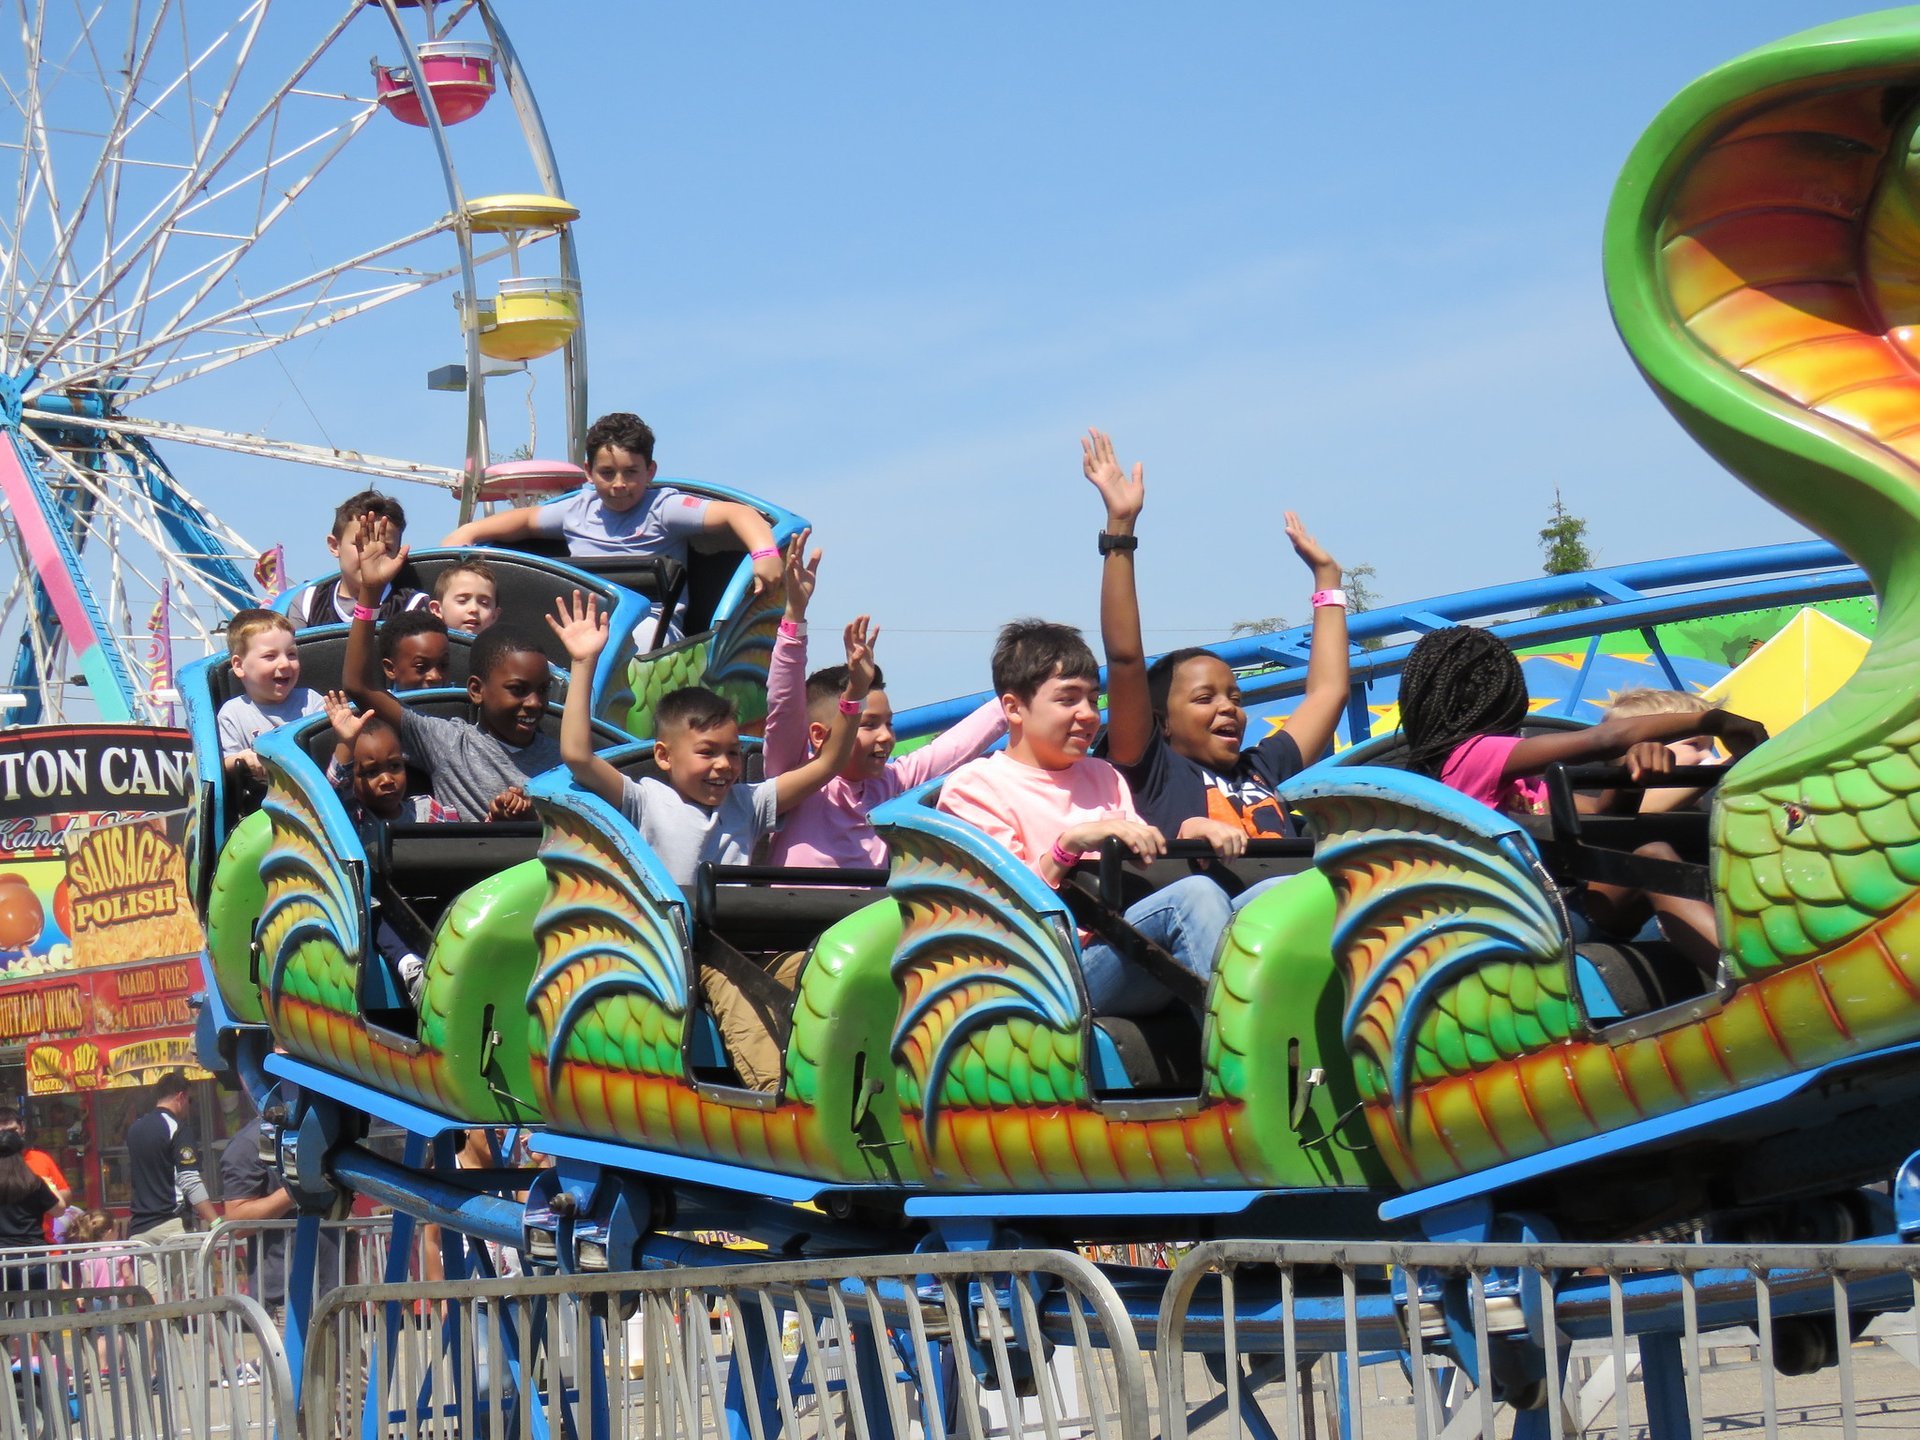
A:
[1639,596]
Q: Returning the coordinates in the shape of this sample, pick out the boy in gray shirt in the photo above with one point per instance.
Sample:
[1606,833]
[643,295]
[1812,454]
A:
[699,814]
[477,767]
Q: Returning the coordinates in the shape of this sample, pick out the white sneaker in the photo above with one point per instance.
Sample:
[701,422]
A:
[247,1373]
[413,974]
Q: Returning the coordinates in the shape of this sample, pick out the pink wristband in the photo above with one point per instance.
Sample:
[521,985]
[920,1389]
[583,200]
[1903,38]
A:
[365,612]
[794,629]
[1329,597]
[851,707]
[1065,859]
[771,552]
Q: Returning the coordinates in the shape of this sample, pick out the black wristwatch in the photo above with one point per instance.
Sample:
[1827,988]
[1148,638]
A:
[1125,544]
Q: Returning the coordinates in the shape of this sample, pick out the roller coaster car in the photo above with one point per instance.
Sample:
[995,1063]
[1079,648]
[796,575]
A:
[1009,1084]
[623,1045]
[728,629]
[1613,1086]
[330,899]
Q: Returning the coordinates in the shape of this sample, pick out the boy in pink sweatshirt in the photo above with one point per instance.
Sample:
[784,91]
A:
[830,828]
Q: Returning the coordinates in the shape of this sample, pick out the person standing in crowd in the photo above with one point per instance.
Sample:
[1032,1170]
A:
[25,1199]
[42,1164]
[249,1190]
[163,1161]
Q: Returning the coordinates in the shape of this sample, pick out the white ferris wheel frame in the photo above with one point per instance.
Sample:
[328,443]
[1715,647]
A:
[87,335]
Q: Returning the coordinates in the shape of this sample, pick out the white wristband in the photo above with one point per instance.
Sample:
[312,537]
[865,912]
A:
[1329,597]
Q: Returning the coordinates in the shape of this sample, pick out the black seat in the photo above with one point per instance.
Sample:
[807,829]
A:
[777,908]
[1157,1055]
[1639,978]
[658,577]
[1600,847]
[1122,881]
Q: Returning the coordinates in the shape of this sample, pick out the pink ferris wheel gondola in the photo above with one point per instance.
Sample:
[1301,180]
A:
[459,74]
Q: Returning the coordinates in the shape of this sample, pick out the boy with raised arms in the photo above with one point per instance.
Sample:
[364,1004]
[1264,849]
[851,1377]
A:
[332,601]
[699,814]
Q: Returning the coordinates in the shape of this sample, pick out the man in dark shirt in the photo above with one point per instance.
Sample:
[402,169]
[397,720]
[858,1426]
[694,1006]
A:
[253,1190]
[163,1163]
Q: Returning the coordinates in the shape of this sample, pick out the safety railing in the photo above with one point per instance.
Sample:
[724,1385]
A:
[108,1364]
[1542,1340]
[252,1257]
[164,1268]
[869,1349]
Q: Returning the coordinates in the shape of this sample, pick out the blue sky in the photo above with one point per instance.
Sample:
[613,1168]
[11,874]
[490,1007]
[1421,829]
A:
[883,264]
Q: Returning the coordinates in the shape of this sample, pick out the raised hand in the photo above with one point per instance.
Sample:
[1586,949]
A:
[803,573]
[861,636]
[381,558]
[580,627]
[1124,496]
[347,724]
[1326,569]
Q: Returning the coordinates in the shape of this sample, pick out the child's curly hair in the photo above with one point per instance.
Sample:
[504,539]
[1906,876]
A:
[1458,683]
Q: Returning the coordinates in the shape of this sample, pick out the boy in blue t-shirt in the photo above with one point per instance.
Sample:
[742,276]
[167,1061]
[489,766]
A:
[622,513]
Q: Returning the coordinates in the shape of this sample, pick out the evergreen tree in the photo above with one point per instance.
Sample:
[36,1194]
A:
[1564,539]
[1357,581]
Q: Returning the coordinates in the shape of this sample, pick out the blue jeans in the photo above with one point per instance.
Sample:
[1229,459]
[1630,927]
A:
[1186,918]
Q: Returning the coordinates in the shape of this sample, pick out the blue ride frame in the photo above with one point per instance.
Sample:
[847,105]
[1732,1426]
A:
[1623,597]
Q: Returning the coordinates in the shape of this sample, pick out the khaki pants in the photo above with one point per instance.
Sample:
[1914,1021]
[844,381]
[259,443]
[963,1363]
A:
[153,1275]
[745,1025]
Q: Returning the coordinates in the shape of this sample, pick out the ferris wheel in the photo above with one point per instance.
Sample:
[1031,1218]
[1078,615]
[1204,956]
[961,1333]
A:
[196,193]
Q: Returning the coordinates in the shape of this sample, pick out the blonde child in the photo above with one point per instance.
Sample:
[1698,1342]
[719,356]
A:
[265,659]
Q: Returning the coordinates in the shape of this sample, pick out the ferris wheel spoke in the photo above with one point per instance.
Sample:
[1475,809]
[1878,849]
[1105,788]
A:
[27,181]
[174,528]
[156,353]
[109,151]
[127,324]
[154,230]
[266,448]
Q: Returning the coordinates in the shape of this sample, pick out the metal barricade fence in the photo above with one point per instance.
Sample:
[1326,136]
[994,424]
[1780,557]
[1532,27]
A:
[243,1256]
[165,1268]
[1030,1344]
[105,1364]
[1552,1340]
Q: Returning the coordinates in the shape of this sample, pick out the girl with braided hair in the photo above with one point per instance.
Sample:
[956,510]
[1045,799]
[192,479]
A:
[1463,700]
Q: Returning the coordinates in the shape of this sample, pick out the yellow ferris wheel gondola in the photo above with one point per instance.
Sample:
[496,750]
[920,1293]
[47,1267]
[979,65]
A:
[528,316]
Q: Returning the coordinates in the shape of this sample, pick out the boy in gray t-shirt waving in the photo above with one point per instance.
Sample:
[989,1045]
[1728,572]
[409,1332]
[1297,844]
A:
[699,814]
